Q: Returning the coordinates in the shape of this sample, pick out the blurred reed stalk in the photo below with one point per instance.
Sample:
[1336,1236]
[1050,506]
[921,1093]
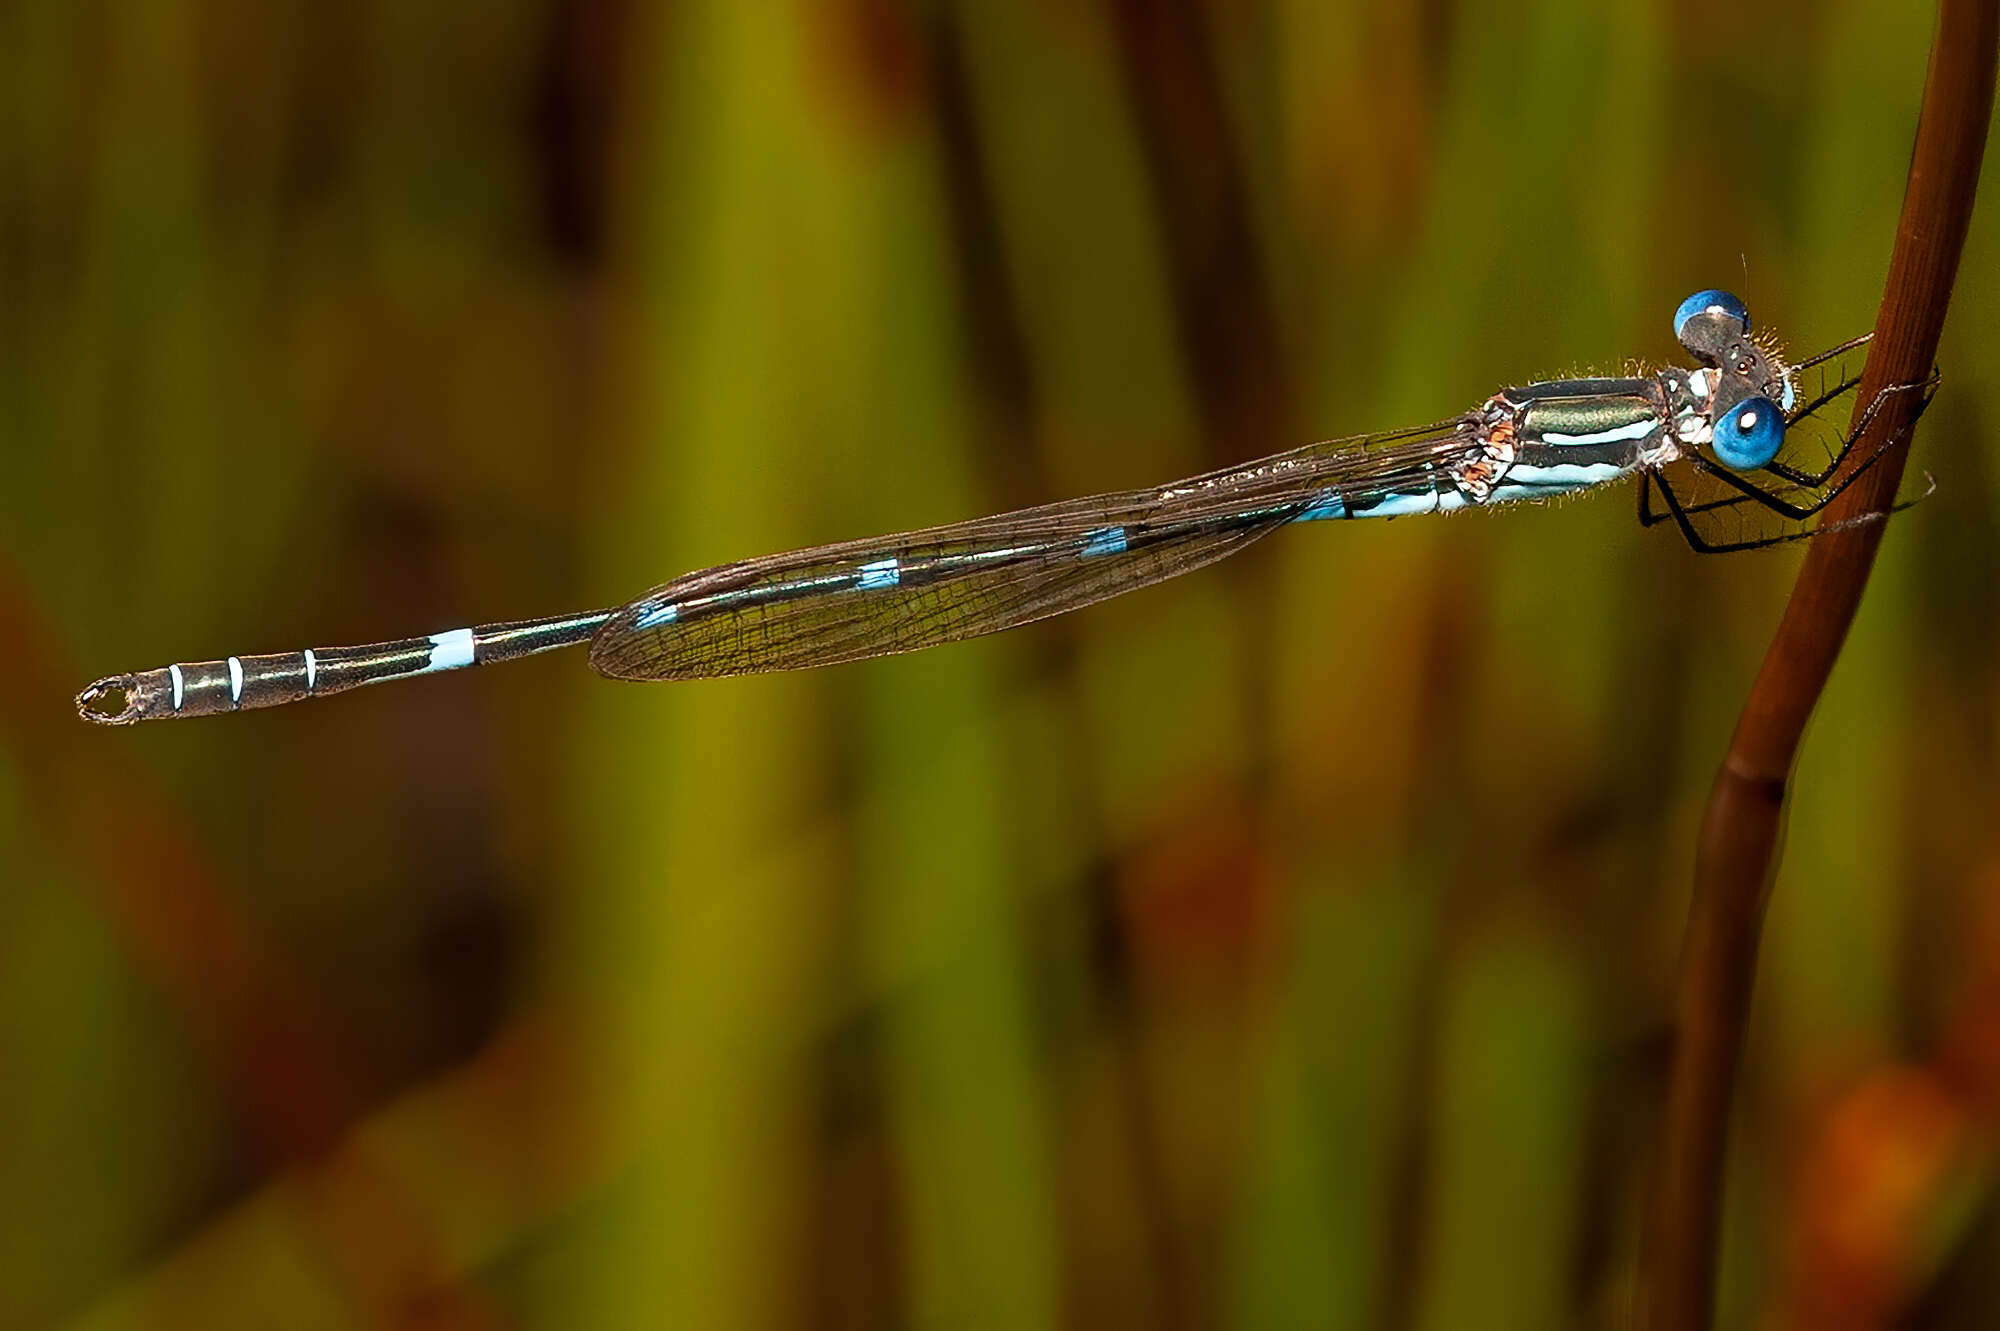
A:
[1736,858]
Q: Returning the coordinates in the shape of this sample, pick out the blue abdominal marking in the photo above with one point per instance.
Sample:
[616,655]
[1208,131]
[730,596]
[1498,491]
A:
[882,573]
[1104,541]
[655,615]
[450,651]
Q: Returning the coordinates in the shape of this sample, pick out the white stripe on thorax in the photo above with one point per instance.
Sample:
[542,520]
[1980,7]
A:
[1566,473]
[1635,430]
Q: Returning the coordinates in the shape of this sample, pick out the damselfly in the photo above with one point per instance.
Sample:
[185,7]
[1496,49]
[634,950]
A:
[1727,421]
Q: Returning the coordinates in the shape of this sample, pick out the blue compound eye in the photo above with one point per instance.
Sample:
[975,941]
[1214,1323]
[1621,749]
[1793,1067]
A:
[1750,433]
[1710,302]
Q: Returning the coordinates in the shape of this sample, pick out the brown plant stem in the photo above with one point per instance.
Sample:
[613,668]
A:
[1736,858]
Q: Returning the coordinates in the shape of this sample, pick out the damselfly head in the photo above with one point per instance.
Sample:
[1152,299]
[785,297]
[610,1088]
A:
[1750,394]
[1747,388]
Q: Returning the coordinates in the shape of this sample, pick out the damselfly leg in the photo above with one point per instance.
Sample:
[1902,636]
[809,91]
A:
[1719,510]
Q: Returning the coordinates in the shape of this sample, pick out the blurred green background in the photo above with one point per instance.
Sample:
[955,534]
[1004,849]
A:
[1289,946]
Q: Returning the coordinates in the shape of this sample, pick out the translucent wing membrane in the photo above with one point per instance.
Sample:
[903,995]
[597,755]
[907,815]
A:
[859,599]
